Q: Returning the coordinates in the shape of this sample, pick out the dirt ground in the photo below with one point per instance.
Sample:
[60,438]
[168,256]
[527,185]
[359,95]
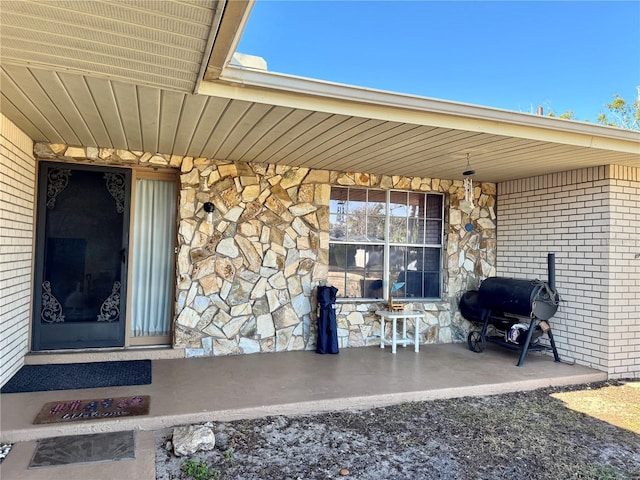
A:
[524,435]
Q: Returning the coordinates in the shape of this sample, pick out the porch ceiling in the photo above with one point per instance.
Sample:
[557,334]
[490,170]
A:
[128,75]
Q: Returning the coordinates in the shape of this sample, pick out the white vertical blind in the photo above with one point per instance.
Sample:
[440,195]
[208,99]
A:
[153,268]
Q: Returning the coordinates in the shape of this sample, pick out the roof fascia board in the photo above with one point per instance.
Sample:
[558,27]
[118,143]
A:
[315,95]
[226,35]
[206,57]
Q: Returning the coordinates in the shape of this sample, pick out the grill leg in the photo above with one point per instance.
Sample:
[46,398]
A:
[485,322]
[525,347]
[553,346]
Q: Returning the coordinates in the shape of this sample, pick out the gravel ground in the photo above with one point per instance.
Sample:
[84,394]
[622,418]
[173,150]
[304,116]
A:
[524,435]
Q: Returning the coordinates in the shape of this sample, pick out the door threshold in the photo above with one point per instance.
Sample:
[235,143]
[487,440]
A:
[103,355]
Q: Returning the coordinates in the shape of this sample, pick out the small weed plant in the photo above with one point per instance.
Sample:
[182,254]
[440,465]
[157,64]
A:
[606,473]
[199,470]
[228,455]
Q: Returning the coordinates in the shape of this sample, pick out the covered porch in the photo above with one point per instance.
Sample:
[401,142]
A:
[196,390]
[219,389]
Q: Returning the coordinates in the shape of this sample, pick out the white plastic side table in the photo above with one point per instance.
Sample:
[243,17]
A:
[404,340]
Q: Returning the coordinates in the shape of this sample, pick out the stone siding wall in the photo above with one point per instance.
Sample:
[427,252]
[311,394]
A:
[246,279]
[17,187]
[589,218]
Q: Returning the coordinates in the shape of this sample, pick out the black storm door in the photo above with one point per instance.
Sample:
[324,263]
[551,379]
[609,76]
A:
[81,257]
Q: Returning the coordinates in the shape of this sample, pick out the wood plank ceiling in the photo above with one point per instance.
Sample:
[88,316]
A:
[121,74]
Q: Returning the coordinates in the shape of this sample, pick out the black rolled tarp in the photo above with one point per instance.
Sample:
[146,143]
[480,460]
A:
[327,341]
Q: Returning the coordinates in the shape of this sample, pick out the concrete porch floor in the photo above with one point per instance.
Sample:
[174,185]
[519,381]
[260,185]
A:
[216,389]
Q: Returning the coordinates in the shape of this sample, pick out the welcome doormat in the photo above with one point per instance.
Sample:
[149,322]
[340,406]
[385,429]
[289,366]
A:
[72,376]
[93,409]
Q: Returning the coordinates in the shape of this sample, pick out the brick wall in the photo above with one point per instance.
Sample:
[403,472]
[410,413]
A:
[589,218]
[17,184]
[624,274]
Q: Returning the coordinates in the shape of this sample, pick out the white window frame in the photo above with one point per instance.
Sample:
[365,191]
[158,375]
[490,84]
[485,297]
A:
[388,245]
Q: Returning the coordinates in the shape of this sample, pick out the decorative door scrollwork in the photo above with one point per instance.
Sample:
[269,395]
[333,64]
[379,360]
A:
[116,187]
[110,308]
[51,311]
[57,181]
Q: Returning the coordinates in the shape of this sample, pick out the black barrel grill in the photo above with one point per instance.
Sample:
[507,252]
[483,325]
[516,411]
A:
[512,313]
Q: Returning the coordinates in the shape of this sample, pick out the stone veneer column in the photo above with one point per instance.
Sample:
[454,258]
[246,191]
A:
[246,280]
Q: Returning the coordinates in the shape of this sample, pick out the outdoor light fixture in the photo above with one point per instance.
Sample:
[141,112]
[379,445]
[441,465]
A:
[468,183]
[209,208]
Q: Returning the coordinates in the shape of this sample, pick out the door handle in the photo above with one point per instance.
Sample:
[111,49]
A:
[123,255]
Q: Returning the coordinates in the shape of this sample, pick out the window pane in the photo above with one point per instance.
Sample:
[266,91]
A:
[431,259]
[415,227]
[378,197]
[398,217]
[434,206]
[356,271]
[433,232]
[397,264]
[397,230]
[357,242]
[398,205]
[340,258]
[374,271]
[338,200]
[416,205]
[375,228]
[416,231]
[338,214]
[337,229]
[376,215]
[418,268]
[357,215]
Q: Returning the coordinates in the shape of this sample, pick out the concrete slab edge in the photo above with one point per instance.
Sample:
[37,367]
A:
[296,408]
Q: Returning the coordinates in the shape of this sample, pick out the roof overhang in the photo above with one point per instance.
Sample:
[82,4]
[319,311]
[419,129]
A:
[157,77]
[480,132]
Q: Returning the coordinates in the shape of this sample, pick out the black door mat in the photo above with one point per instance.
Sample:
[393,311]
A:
[77,449]
[72,376]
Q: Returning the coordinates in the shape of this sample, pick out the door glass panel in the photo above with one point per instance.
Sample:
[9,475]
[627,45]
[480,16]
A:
[81,258]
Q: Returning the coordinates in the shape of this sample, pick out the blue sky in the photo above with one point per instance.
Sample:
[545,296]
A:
[515,55]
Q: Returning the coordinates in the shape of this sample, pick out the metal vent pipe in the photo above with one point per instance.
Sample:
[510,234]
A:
[551,271]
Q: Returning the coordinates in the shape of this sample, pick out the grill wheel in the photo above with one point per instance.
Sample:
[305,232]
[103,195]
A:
[476,342]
